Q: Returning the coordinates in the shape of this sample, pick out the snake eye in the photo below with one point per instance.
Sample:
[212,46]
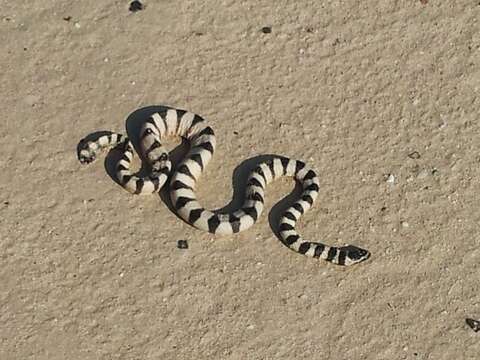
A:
[148,131]
[163,157]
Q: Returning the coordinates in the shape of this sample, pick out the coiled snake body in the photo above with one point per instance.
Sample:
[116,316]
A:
[192,127]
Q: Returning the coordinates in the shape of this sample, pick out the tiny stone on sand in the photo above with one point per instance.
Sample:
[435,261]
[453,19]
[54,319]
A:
[474,324]
[136,6]
[182,244]
[390,179]
[414,155]
[266,29]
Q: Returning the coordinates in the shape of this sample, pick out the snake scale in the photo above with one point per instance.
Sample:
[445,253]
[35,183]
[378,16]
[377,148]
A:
[201,137]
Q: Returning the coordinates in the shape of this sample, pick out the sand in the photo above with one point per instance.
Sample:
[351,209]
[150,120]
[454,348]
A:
[360,90]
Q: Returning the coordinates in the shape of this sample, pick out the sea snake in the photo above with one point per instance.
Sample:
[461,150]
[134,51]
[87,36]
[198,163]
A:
[193,128]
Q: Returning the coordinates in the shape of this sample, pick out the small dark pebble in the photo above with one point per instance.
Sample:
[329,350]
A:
[198,33]
[67,18]
[336,42]
[266,29]
[414,155]
[309,29]
[182,244]
[474,324]
[6,203]
[384,208]
[135,6]
[235,132]
[435,172]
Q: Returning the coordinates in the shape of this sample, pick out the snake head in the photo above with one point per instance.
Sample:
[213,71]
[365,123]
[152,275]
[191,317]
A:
[354,254]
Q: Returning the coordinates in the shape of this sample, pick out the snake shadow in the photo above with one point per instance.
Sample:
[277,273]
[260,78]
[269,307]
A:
[239,177]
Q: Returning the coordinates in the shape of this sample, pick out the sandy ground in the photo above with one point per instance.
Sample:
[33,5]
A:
[354,88]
